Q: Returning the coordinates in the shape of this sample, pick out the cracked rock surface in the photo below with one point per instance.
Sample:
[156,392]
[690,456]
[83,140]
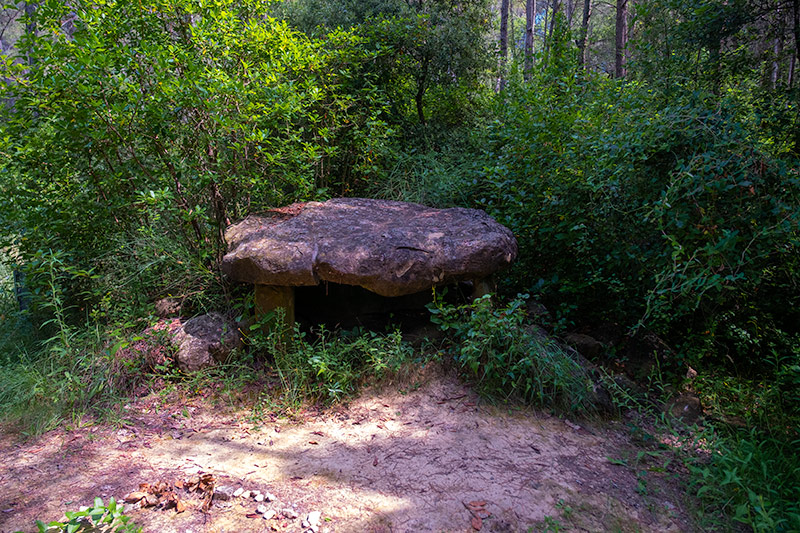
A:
[390,248]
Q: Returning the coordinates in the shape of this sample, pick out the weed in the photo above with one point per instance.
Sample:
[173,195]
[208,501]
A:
[328,367]
[506,360]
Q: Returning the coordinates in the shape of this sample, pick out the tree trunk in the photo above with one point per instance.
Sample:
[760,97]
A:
[501,80]
[796,31]
[511,29]
[530,16]
[583,36]
[549,43]
[620,70]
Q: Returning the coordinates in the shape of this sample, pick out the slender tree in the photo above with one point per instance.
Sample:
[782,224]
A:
[530,17]
[621,41]
[583,34]
[796,32]
[501,79]
[549,43]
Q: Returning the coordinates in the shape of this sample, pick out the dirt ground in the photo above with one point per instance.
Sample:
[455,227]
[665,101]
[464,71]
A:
[399,459]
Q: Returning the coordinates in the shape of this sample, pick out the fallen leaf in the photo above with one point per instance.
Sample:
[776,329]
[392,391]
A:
[313,442]
[178,484]
[180,506]
[477,503]
[319,433]
[134,497]
[477,523]
[252,515]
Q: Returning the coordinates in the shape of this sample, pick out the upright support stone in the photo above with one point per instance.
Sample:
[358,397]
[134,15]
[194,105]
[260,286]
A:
[482,287]
[269,298]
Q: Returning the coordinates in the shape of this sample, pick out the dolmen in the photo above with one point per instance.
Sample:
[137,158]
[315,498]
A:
[389,248]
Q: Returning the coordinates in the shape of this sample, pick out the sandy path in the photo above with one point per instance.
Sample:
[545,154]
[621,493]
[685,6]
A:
[391,461]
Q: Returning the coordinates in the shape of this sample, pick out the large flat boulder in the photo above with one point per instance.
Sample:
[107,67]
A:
[390,248]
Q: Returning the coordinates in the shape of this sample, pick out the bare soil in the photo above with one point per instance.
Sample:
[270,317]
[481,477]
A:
[405,458]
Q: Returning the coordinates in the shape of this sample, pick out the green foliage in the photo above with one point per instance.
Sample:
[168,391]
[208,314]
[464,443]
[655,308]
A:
[434,47]
[330,367]
[750,477]
[99,517]
[494,348]
[169,120]
[677,220]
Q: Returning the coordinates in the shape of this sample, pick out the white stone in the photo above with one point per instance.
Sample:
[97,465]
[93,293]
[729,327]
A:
[314,518]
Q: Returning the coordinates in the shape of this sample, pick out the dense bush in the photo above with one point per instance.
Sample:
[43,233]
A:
[152,122]
[506,360]
[670,215]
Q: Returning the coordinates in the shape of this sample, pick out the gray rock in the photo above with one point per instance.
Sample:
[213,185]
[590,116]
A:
[270,514]
[205,340]
[586,345]
[223,493]
[261,509]
[246,495]
[390,248]
[238,492]
[270,497]
[289,514]
[259,497]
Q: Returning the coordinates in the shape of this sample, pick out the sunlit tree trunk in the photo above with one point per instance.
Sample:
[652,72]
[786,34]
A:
[583,35]
[621,41]
[530,14]
[501,80]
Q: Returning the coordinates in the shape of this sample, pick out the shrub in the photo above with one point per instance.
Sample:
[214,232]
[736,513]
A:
[494,348]
[668,215]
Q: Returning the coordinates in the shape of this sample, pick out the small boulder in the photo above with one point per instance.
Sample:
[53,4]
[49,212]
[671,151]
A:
[204,341]
[223,493]
[586,345]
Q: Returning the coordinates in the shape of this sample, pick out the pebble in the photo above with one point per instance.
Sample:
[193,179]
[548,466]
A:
[290,514]
[223,493]
[314,518]
[246,494]
[261,509]
[270,514]
[270,497]
[259,497]
[238,492]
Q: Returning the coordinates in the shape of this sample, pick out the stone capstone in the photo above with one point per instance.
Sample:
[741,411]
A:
[390,248]
[204,341]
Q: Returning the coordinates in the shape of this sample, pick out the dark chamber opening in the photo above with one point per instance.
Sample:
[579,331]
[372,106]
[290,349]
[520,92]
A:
[348,306]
